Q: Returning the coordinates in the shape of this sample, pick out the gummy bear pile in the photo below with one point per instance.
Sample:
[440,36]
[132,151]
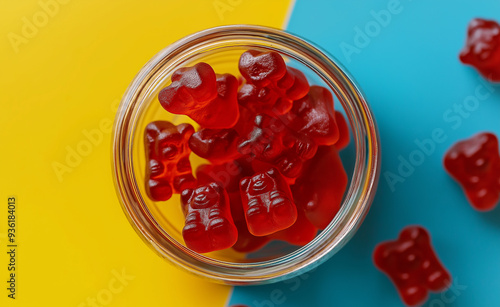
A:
[271,141]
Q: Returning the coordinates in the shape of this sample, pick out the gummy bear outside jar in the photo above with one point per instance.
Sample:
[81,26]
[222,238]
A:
[158,223]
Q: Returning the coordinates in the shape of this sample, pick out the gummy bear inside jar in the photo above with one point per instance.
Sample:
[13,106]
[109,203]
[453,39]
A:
[168,214]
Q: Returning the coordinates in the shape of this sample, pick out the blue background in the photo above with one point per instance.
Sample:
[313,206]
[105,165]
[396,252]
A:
[412,78]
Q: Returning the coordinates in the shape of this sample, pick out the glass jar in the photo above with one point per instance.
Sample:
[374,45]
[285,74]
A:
[160,224]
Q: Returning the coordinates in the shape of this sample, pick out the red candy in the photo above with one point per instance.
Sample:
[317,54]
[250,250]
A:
[199,93]
[271,86]
[192,88]
[482,49]
[320,189]
[260,166]
[412,265]
[270,141]
[314,116]
[209,224]
[267,203]
[168,169]
[245,122]
[293,84]
[263,100]
[228,175]
[300,233]
[246,242]
[265,139]
[262,68]
[475,164]
[343,140]
[215,145]
[223,111]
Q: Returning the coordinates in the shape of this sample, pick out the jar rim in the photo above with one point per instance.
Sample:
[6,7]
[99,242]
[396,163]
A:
[356,202]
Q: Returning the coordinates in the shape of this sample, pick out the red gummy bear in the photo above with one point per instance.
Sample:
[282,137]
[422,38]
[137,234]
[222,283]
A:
[343,140]
[245,122]
[209,224]
[199,93]
[267,203]
[262,68]
[228,175]
[246,242]
[216,145]
[293,84]
[223,111]
[475,164]
[412,265]
[300,233]
[320,189]
[272,86]
[168,169]
[270,141]
[314,116]
[192,88]
[263,100]
[482,49]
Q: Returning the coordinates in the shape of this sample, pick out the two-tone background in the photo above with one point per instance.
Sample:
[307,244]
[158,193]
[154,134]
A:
[65,64]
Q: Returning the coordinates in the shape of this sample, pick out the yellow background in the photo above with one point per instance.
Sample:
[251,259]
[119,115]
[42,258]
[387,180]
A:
[63,80]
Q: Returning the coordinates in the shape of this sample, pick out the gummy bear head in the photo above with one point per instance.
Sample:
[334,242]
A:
[475,156]
[194,84]
[261,68]
[202,197]
[482,43]
[167,142]
[260,183]
[408,253]
[415,240]
[257,99]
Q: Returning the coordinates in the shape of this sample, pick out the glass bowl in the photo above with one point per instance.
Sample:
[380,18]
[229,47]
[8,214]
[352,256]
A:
[160,224]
